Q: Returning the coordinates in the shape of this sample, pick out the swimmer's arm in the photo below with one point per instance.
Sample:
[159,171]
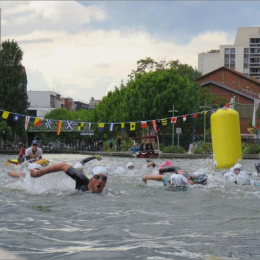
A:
[153,178]
[151,164]
[90,158]
[15,174]
[167,169]
[53,168]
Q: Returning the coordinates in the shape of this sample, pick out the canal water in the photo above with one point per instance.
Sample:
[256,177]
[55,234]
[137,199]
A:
[46,218]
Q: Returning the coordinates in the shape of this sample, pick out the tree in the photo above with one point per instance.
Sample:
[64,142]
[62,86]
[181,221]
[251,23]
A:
[13,82]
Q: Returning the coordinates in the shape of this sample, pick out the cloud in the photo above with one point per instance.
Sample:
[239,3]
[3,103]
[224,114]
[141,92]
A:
[85,61]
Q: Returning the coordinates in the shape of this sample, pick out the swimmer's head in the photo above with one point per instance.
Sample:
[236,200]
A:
[98,170]
[130,166]
[178,180]
[165,164]
[34,166]
[243,179]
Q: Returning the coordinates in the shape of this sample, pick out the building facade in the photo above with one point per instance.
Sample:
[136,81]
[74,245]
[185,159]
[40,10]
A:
[68,104]
[231,84]
[243,56]
[42,102]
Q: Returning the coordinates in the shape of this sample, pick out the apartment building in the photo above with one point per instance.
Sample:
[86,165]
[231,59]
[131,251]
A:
[243,56]
[42,102]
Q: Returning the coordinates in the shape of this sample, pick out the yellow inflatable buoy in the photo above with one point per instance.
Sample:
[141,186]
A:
[226,138]
[42,162]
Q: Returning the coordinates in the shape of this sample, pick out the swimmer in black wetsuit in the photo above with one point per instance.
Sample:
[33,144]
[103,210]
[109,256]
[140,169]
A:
[95,182]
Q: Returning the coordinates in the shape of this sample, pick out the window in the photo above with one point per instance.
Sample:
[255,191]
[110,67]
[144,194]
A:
[245,60]
[226,50]
[232,50]
[246,50]
[226,61]
[232,61]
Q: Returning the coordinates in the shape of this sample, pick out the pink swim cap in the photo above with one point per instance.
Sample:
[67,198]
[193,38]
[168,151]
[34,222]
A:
[165,164]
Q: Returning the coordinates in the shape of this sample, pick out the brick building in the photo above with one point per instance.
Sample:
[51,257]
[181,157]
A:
[229,83]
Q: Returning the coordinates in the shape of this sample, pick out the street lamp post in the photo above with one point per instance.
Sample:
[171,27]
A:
[173,123]
[204,108]
[194,120]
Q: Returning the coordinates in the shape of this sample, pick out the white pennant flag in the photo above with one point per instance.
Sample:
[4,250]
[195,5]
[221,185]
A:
[27,119]
[256,104]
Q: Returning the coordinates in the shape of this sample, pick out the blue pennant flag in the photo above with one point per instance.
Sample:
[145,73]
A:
[16,118]
[111,127]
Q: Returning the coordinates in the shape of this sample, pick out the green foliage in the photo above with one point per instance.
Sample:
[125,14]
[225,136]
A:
[173,149]
[13,81]
[203,148]
[5,131]
[251,148]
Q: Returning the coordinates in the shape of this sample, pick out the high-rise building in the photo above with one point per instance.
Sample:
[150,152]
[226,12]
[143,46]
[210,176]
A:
[243,56]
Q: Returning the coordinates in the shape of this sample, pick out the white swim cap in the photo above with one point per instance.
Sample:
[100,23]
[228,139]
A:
[98,170]
[237,166]
[243,178]
[79,167]
[178,180]
[34,166]
[129,164]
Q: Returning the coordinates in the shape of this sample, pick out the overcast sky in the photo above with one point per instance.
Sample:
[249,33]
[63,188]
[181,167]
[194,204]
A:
[80,49]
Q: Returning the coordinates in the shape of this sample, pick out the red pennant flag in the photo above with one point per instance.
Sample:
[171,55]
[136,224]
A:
[194,115]
[154,125]
[58,127]
[37,121]
[174,119]
[144,124]
[226,106]
[184,117]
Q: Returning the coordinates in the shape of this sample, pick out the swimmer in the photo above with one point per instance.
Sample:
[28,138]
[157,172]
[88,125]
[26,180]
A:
[130,166]
[95,182]
[20,174]
[237,176]
[162,165]
[169,182]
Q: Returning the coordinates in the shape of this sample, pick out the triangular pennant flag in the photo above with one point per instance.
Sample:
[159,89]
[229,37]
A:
[48,123]
[184,118]
[132,126]
[111,127]
[89,127]
[164,121]
[227,105]
[16,118]
[69,125]
[173,119]
[194,115]
[58,127]
[122,127]
[101,127]
[37,121]
[5,114]
[144,124]
[154,125]
[80,126]
[27,119]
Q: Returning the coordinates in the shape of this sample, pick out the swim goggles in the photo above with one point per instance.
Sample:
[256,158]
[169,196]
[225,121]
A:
[100,178]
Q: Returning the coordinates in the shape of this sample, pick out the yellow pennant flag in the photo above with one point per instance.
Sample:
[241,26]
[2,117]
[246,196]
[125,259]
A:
[5,114]
[164,121]
[132,126]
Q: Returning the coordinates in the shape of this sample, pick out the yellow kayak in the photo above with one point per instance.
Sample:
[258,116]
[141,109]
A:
[42,162]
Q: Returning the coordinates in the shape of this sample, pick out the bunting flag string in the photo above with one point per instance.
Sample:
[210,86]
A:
[80,126]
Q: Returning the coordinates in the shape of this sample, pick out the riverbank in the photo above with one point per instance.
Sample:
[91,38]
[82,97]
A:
[129,154]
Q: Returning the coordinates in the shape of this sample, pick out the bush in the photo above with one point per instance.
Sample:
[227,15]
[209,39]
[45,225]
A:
[251,148]
[203,148]
[173,149]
